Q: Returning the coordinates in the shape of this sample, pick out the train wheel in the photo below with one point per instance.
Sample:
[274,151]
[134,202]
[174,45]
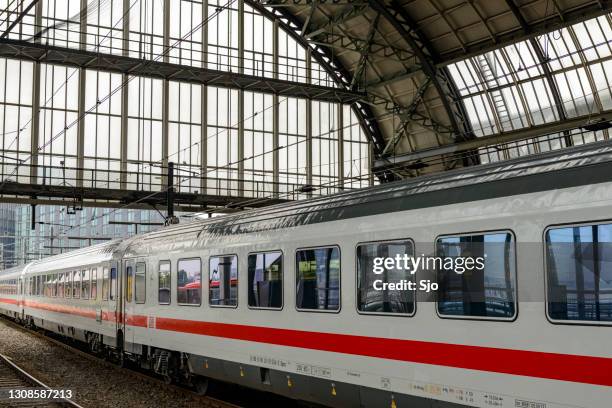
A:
[201,385]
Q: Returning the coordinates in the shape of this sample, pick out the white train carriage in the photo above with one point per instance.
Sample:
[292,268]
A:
[10,289]
[283,299]
[71,294]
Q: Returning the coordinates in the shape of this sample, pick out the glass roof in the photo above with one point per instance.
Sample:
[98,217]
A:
[508,89]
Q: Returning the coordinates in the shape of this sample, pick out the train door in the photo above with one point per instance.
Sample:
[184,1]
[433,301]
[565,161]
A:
[111,301]
[128,305]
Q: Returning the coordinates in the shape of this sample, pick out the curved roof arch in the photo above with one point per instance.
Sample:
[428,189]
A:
[414,57]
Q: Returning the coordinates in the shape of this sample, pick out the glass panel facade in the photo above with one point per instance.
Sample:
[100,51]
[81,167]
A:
[508,89]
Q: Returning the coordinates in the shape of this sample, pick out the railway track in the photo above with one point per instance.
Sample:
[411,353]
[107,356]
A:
[200,400]
[16,385]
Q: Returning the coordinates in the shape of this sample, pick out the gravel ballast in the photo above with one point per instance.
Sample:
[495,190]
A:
[93,383]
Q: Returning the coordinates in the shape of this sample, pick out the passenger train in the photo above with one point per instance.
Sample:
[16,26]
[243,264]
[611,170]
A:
[280,298]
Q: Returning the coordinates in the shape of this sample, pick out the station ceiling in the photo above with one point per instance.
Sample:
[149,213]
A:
[442,73]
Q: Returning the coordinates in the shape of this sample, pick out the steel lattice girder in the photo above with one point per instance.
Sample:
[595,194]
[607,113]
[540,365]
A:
[150,68]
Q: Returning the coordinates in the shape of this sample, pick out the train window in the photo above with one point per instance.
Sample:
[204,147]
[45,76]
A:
[60,285]
[265,283]
[85,277]
[76,284]
[477,276]
[68,285]
[579,273]
[189,281]
[55,284]
[318,279]
[371,298]
[163,280]
[94,283]
[140,289]
[113,284]
[129,274]
[223,281]
[105,283]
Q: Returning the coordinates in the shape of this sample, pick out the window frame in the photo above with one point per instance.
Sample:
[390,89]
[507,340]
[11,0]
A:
[282,279]
[514,280]
[85,291]
[169,262]
[93,283]
[136,301]
[357,276]
[177,286]
[237,278]
[105,282]
[129,286]
[339,279]
[113,288]
[75,289]
[545,274]
[68,285]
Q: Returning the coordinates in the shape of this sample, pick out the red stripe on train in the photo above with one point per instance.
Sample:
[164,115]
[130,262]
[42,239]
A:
[555,366]
[584,369]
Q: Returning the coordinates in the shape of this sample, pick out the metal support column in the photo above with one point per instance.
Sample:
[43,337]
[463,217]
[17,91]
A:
[308,123]
[35,124]
[240,99]
[204,108]
[340,155]
[275,113]
[165,91]
[33,217]
[170,194]
[81,98]
[124,97]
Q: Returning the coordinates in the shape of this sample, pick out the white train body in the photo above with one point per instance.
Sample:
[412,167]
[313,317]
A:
[347,358]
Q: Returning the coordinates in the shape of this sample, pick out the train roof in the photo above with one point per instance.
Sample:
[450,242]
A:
[14,271]
[588,164]
[79,257]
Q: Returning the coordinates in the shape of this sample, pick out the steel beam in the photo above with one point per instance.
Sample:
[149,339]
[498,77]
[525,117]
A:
[18,193]
[147,68]
[507,137]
